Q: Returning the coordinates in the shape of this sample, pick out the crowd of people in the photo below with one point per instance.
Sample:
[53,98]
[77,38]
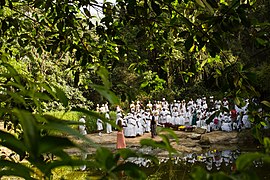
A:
[142,118]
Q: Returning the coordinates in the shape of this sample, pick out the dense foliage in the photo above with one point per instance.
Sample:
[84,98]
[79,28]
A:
[54,56]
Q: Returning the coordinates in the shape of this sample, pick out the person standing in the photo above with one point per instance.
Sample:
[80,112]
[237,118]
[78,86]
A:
[82,127]
[99,126]
[153,126]
[148,121]
[120,139]
[108,125]
[194,118]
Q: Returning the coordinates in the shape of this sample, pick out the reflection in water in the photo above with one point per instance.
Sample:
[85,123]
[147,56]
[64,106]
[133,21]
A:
[209,159]
[83,157]
[142,162]
[180,167]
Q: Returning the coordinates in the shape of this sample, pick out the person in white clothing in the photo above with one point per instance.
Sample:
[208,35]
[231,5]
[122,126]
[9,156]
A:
[218,104]
[106,107]
[148,121]
[108,125]
[225,103]
[139,127]
[174,116]
[164,103]
[97,108]
[162,116]
[82,127]
[245,120]
[99,126]
[183,107]
[132,107]
[149,105]
[130,129]
[138,106]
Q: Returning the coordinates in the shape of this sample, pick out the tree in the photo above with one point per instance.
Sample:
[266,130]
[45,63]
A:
[201,38]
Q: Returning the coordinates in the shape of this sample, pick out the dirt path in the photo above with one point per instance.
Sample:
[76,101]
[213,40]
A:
[188,141]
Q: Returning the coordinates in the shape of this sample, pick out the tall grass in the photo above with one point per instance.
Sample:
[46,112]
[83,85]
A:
[75,116]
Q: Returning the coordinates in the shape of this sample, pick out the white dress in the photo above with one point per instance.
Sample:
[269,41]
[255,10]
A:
[108,125]
[99,125]
[82,128]
[246,121]
[139,127]
[130,129]
[175,121]
[226,127]
[162,117]
[169,118]
[148,122]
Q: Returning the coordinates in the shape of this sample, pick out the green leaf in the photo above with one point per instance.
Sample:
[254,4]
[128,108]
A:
[261,41]
[144,84]
[104,157]
[13,72]
[87,12]
[48,89]
[31,135]
[266,103]
[12,143]
[67,162]
[210,119]
[237,101]
[246,160]
[15,169]
[105,92]
[200,3]
[104,74]
[17,98]
[61,96]
[208,6]
[166,140]
[266,143]
[126,153]
[170,132]
[53,144]
[218,72]
[42,96]
[263,123]
[212,3]
[152,143]
[62,126]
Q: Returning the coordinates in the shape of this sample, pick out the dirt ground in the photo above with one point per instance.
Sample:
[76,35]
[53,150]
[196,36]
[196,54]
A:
[188,141]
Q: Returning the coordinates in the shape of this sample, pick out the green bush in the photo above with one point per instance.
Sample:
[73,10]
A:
[75,116]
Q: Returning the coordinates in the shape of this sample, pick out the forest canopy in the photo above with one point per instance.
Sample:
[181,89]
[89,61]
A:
[55,55]
[147,48]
